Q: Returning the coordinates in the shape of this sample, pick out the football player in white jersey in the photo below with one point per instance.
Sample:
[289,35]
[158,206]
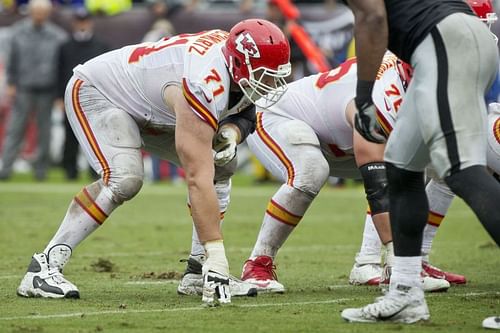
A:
[302,140]
[170,98]
[308,136]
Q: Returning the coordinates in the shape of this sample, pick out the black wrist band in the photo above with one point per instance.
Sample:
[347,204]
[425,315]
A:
[364,92]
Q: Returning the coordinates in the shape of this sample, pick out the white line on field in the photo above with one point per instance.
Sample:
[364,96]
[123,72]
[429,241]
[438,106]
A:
[193,308]
[197,308]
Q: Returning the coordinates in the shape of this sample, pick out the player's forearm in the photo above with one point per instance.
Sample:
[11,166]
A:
[199,175]
[205,210]
[371,35]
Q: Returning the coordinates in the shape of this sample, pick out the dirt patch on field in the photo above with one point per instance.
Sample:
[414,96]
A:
[103,265]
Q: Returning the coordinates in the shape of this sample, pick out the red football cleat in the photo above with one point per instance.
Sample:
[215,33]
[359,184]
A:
[440,274]
[260,272]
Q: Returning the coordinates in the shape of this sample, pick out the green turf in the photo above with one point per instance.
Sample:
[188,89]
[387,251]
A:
[147,236]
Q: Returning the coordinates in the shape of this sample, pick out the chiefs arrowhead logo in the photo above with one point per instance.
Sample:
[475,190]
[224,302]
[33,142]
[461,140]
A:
[246,45]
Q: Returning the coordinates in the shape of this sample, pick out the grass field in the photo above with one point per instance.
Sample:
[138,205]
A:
[145,238]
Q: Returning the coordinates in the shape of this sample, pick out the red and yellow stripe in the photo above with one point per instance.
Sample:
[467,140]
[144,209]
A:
[198,107]
[88,205]
[386,126]
[275,148]
[281,214]
[87,130]
[496,130]
[434,219]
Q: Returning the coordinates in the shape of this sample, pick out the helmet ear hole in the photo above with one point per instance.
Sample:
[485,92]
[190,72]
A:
[237,62]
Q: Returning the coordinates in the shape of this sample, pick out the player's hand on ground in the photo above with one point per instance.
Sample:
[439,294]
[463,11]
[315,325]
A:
[365,122]
[225,143]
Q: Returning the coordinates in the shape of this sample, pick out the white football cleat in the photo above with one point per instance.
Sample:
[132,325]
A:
[44,280]
[260,272]
[192,281]
[492,323]
[215,289]
[402,305]
[367,274]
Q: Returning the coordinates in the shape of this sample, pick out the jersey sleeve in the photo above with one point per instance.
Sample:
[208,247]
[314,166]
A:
[384,109]
[204,86]
[388,93]
[201,101]
[493,151]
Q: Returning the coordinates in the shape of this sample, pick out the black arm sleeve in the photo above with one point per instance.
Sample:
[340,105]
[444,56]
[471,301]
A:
[244,120]
[375,181]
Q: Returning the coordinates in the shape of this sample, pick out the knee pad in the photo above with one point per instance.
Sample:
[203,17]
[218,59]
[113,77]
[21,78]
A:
[127,173]
[312,171]
[311,168]
[125,188]
[375,181]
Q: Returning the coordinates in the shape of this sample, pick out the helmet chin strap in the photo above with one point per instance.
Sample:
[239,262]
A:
[231,66]
[240,106]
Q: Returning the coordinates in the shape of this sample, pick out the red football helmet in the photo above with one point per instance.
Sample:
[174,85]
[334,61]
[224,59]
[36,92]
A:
[484,10]
[257,55]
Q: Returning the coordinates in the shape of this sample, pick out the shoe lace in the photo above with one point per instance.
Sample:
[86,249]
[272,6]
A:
[264,272]
[53,273]
[388,304]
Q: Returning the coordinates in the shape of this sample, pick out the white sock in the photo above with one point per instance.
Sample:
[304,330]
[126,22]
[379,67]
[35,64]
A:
[196,247]
[389,255]
[371,244]
[284,212]
[86,212]
[406,271]
[429,234]
[216,258]
[440,198]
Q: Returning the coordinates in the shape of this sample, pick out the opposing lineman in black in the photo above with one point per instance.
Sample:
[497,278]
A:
[441,122]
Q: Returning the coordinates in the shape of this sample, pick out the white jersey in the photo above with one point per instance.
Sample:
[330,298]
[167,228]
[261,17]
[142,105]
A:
[493,152]
[134,77]
[388,92]
[320,101]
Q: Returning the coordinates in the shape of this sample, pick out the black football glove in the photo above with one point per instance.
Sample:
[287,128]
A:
[365,122]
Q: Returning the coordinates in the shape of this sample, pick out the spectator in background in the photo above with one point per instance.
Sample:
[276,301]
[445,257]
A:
[82,46]
[164,9]
[31,78]
[161,28]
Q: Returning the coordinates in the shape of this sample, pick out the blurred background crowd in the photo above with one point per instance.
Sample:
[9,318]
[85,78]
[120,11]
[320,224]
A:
[42,40]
